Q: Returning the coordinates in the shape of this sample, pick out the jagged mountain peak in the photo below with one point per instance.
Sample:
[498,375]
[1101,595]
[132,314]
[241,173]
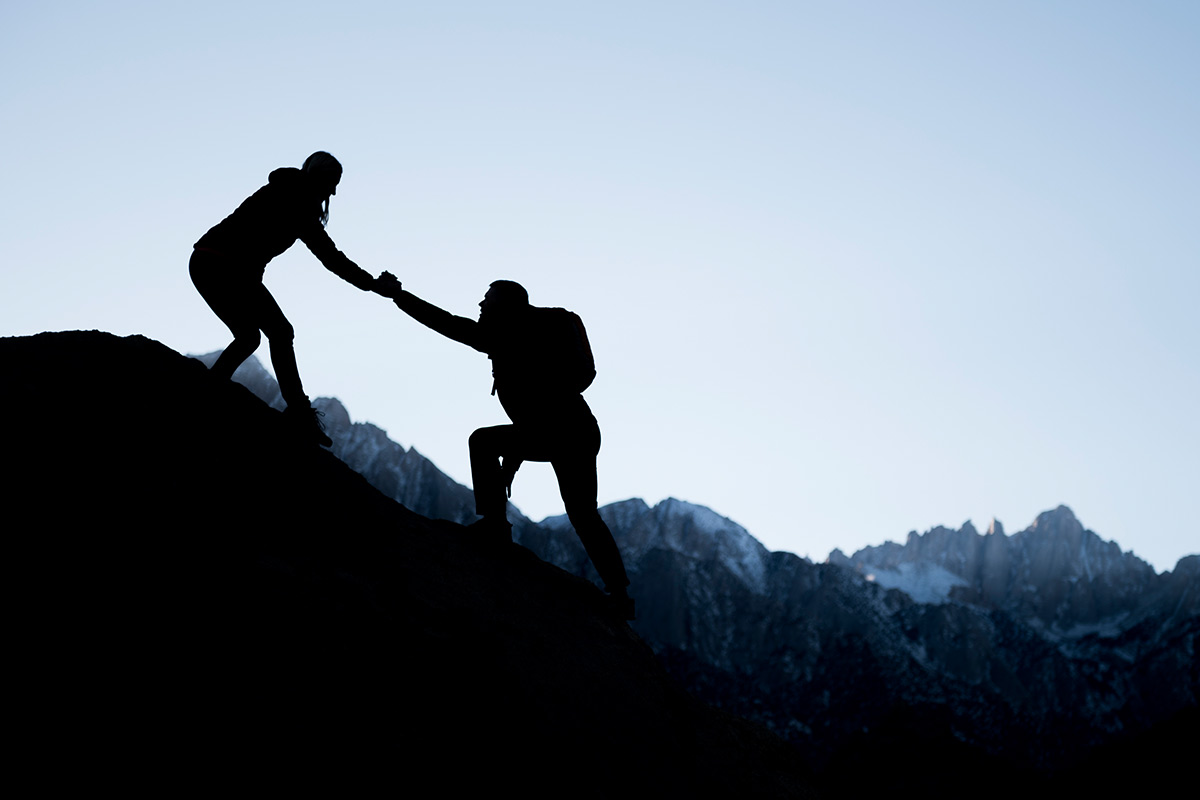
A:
[701,533]
[700,518]
[1056,518]
[1055,571]
[624,513]
[686,529]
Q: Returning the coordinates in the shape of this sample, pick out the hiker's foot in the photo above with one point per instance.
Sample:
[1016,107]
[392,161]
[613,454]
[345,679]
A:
[621,605]
[492,530]
[307,422]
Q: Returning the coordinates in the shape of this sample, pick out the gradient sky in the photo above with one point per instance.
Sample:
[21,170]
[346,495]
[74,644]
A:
[848,269]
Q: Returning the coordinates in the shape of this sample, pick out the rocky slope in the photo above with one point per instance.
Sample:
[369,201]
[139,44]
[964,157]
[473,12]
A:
[202,599]
[1035,647]
[406,476]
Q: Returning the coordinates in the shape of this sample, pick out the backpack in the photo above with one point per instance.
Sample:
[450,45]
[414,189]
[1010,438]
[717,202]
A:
[569,350]
[551,350]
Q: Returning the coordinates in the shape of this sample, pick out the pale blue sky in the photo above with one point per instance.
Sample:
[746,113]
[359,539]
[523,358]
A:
[849,269]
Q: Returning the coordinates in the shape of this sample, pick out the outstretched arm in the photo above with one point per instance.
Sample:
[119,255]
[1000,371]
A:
[335,260]
[460,329]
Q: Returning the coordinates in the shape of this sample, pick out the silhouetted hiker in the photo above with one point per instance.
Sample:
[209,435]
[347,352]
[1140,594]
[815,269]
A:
[228,263]
[541,362]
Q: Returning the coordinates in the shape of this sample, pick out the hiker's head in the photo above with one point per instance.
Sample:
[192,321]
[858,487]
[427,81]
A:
[502,300]
[324,172]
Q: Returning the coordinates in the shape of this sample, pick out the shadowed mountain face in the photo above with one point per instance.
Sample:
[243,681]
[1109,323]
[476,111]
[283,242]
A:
[200,594]
[1055,573]
[1086,646]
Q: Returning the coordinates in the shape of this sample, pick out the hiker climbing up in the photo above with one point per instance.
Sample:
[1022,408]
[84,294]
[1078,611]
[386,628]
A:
[541,363]
[228,263]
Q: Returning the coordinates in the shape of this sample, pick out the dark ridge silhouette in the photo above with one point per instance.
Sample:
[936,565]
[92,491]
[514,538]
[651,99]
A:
[201,597]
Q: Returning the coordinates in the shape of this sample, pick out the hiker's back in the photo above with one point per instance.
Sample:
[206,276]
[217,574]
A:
[567,354]
[268,222]
[544,366]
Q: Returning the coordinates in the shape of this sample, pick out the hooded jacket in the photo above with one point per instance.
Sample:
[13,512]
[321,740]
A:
[272,219]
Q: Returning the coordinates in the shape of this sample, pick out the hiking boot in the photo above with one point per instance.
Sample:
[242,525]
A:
[492,531]
[621,605]
[307,422]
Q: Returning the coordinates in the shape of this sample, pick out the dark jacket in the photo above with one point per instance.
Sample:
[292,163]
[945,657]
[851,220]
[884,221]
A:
[272,219]
[527,361]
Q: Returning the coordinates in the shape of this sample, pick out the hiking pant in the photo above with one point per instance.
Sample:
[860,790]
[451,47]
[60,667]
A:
[571,450]
[235,293]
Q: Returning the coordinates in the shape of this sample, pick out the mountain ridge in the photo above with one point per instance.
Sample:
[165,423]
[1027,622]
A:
[851,672]
[984,635]
[1056,572]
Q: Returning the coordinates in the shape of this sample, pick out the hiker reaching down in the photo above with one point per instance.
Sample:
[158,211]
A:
[228,263]
[541,363]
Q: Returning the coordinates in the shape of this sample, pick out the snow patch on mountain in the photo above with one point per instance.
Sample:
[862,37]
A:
[923,582]
[700,532]
[691,530]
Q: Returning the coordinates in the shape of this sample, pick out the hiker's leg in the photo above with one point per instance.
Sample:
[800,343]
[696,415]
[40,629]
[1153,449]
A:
[488,446]
[576,472]
[280,334]
[231,295]
[244,344]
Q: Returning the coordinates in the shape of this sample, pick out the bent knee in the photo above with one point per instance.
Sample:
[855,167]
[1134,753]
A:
[481,438]
[249,338]
[281,333]
[494,441]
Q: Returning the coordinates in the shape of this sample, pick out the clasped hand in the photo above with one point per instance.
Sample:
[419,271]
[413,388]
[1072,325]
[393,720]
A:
[387,285]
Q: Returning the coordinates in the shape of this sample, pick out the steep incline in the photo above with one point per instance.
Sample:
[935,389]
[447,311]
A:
[406,476]
[199,595]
